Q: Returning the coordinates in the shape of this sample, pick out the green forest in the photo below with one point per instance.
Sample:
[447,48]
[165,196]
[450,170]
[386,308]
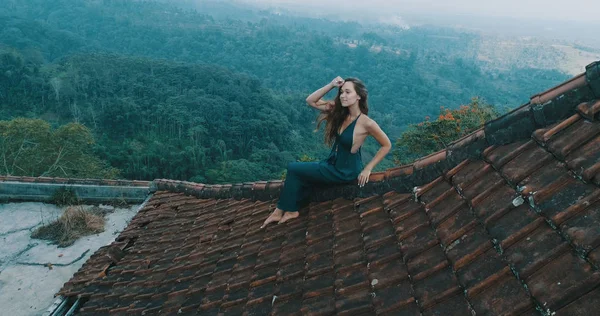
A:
[173,90]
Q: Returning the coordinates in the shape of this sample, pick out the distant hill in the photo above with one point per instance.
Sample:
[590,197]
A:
[174,92]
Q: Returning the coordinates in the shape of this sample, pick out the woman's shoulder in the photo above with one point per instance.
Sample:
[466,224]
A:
[367,122]
[365,119]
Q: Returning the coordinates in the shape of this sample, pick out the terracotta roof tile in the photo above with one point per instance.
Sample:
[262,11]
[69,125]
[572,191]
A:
[589,110]
[484,267]
[500,155]
[396,299]
[500,294]
[526,163]
[430,160]
[583,229]
[585,161]
[503,222]
[544,134]
[563,280]
[582,305]
[572,137]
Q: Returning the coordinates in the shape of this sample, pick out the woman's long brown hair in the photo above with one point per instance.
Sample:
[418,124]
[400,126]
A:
[336,116]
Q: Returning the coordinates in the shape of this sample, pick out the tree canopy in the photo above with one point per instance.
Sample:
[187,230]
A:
[169,91]
[431,136]
[30,147]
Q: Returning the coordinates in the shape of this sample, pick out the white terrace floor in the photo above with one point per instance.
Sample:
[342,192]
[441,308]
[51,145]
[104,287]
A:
[27,284]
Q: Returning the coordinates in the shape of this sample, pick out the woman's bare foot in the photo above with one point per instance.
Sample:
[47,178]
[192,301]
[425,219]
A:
[287,216]
[274,217]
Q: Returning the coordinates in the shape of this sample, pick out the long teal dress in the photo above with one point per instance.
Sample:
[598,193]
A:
[342,166]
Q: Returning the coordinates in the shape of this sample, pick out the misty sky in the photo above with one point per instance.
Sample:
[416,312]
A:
[572,10]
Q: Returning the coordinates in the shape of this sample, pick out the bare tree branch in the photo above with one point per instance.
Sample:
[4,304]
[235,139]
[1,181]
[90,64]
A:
[53,167]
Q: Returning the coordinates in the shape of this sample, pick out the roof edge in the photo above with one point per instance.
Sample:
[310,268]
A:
[52,180]
[546,108]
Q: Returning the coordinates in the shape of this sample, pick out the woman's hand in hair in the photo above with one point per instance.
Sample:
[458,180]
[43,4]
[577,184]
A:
[314,99]
[337,82]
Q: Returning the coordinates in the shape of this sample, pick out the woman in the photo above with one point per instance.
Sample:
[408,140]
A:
[346,129]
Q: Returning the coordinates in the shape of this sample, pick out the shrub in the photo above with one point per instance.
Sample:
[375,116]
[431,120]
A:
[64,197]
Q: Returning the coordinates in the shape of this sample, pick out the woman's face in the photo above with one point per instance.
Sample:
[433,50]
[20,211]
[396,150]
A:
[348,95]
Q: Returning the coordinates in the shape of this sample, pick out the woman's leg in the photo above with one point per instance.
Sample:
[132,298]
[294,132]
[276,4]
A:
[295,189]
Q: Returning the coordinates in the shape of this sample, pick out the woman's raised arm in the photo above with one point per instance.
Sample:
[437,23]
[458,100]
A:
[314,99]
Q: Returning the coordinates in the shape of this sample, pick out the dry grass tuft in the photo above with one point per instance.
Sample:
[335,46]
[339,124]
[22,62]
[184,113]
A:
[73,224]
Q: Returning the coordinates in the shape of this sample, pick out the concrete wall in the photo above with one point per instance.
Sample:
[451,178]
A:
[91,193]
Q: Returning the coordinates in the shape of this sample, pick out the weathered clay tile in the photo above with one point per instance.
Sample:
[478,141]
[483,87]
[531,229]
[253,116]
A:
[319,305]
[584,229]
[288,305]
[262,291]
[396,299]
[384,252]
[260,306]
[585,160]
[500,155]
[491,205]
[433,190]
[526,163]
[445,208]
[542,135]
[431,159]
[349,258]
[456,225]
[435,288]
[560,195]
[345,243]
[476,272]
[514,225]
[470,170]
[351,280]
[290,286]
[320,284]
[418,242]
[355,303]
[386,274]
[454,303]
[577,208]
[399,171]
[505,296]
[427,262]
[535,250]
[411,225]
[573,137]
[403,211]
[486,184]
[582,306]
[377,237]
[562,281]
[590,109]
[468,247]
[542,178]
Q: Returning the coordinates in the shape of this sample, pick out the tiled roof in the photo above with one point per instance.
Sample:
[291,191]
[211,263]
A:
[504,222]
